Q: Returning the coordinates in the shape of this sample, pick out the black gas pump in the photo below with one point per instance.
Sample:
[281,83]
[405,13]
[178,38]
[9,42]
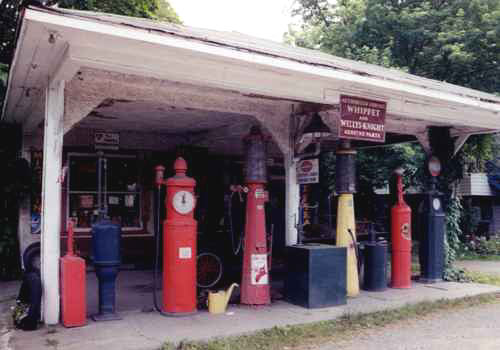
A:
[431,251]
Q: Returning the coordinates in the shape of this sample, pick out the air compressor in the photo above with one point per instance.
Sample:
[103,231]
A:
[179,242]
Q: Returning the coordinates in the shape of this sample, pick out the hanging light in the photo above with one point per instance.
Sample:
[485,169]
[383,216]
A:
[316,128]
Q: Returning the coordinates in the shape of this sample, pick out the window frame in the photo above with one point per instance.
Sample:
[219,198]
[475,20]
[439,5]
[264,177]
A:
[139,193]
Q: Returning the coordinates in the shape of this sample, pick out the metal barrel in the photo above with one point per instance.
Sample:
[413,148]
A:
[375,267]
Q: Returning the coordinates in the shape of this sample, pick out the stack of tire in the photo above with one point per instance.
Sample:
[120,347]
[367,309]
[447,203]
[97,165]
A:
[28,304]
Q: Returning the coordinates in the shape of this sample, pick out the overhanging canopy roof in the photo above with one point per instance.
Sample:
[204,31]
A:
[55,44]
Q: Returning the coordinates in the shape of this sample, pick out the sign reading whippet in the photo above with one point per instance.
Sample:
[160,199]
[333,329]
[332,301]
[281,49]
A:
[362,119]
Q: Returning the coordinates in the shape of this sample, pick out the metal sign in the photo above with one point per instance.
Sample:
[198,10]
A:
[308,171]
[362,119]
[434,166]
[107,140]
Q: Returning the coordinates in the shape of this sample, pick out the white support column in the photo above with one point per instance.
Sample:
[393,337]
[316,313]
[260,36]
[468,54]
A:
[292,192]
[292,201]
[51,200]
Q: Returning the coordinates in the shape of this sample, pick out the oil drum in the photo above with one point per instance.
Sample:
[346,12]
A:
[375,266]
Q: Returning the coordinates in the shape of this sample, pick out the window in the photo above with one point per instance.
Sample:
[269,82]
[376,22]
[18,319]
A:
[120,190]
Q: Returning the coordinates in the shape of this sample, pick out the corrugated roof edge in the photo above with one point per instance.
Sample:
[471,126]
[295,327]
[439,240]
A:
[239,41]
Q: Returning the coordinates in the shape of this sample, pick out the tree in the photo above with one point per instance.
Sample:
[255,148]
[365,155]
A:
[153,9]
[455,41]
[159,10]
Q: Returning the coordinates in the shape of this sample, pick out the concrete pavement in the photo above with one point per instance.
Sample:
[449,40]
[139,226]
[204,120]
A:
[148,330]
[8,294]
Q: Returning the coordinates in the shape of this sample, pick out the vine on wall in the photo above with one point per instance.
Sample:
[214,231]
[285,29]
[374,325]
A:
[442,146]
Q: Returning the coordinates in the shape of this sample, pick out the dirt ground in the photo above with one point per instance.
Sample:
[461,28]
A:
[476,328]
[490,267]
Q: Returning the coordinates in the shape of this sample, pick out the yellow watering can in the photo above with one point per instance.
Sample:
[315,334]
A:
[217,301]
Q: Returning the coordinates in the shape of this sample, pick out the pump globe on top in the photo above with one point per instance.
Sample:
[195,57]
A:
[316,129]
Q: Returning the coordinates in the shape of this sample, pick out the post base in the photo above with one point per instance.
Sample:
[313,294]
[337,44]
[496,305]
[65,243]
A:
[429,280]
[106,317]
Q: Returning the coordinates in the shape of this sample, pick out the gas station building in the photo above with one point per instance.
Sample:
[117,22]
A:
[143,92]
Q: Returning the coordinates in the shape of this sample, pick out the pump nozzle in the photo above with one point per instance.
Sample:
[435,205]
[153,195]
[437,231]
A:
[160,171]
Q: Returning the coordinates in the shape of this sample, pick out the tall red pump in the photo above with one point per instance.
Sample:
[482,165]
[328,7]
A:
[255,278]
[401,239]
[179,241]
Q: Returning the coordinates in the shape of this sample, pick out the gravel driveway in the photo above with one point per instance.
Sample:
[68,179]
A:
[476,328]
[490,267]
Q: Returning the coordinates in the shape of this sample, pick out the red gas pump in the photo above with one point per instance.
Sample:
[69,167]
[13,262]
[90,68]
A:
[179,241]
[401,240]
[73,295]
[255,278]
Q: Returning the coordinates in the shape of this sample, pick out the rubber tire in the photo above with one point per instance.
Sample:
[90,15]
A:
[219,275]
[31,294]
[30,254]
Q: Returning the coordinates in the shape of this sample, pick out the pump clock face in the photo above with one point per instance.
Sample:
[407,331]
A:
[436,203]
[183,202]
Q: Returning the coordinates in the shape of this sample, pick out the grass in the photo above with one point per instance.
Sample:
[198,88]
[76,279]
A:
[481,277]
[294,337]
[473,256]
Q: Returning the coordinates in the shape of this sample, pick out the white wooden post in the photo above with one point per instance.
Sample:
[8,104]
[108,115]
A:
[292,192]
[51,200]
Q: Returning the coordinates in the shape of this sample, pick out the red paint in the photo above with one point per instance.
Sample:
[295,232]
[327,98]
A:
[401,241]
[179,246]
[306,166]
[73,290]
[362,119]
[253,290]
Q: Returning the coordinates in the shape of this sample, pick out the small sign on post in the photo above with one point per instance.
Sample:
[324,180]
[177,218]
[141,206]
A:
[308,171]
[362,119]
[107,140]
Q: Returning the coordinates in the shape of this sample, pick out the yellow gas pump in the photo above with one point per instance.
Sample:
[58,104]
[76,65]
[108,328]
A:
[346,227]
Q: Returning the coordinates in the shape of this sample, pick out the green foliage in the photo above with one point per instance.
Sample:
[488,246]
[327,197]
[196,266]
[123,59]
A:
[484,278]
[442,146]
[159,10]
[3,82]
[452,242]
[455,41]
[15,186]
[409,156]
[9,11]
[152,9]
[477,151]
[471,216]
[481,247]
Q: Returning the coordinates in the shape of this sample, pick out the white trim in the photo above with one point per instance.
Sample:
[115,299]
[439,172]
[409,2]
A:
[235,56]
[66,68]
